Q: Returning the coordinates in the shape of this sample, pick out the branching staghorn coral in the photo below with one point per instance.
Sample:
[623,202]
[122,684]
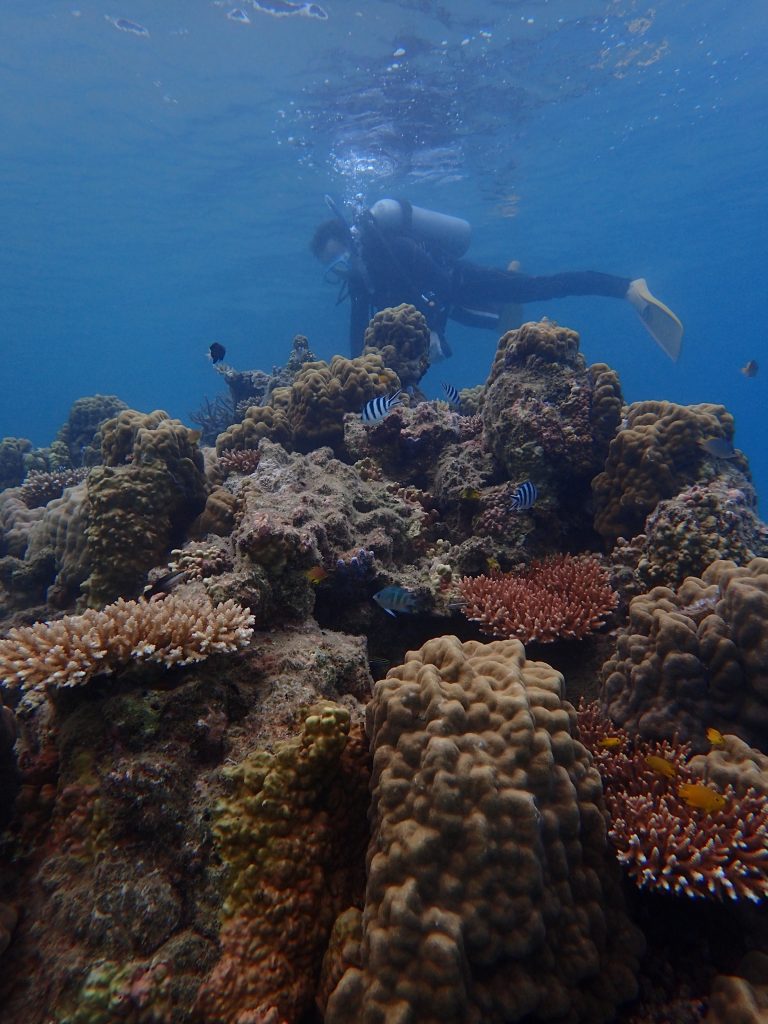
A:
[557,598]
[176,630]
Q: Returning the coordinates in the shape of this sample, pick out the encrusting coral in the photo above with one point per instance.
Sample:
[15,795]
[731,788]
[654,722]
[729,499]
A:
[556,598]
[176,630]
[490,893]
[292,835]
[693,658]
[678,824]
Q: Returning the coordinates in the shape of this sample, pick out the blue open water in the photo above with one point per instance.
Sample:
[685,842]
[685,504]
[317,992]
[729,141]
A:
[162,167]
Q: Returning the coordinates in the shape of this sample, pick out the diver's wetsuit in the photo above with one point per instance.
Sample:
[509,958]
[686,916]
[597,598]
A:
[389,269]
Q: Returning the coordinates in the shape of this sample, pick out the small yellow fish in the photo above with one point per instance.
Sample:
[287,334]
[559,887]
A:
[493,564]
[316,574]
[715,737]
[661,766]
[470,494]
[610,742]
[696,794]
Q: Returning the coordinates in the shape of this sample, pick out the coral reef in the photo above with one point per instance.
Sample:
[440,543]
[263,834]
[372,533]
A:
[674,833]
[489,893]
[693,658]
[80,435]
[558,598]
[290,834]
[657,453]
[121,885]
[548,417]
[141,501]
[178,630]
[701,524]
[310,413]
[400,335]
[13,468]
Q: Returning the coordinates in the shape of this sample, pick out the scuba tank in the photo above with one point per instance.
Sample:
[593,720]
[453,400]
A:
[451,234]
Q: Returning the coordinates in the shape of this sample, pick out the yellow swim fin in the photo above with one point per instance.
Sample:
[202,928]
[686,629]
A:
[658,319]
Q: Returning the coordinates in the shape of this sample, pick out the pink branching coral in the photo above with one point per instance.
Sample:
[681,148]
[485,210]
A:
[176,630]
[672,832]
[557,598]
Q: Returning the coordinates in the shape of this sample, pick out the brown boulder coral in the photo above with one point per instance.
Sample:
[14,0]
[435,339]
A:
[150,488]
[693,658]
[489,895]
[547,416]
[656,454]
[400,335]
[310,413]
[703,523]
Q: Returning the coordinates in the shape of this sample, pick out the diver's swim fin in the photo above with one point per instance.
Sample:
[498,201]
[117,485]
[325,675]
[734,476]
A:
[658,319]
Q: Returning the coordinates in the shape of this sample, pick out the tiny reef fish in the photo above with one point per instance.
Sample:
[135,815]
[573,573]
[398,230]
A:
[718,448]
[696,794]
[451,393]
[610,742]
[216,352]
[523,496]
[715,737]
[750,369]
[470,494]
[396,599]
[494,565]
[661,766]
[165,584]
[317,574]
[378,407]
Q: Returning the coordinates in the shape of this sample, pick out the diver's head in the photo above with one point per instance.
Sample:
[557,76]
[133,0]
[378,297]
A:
[332,245]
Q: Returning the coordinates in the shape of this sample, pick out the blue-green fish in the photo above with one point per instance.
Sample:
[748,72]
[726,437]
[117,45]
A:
[396,599]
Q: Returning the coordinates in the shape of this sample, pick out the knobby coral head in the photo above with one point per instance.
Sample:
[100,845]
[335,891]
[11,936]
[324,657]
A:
[562,597]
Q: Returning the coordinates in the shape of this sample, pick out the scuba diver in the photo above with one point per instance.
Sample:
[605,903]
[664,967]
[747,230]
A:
[396,252]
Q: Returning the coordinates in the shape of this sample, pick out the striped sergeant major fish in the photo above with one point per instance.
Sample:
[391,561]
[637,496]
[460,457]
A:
[396,599]
[524,496]
[451,394]
[378,407]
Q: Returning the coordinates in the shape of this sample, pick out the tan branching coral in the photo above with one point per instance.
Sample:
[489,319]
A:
[675,829]
[490,894]
[177,630]
[557,598]
[694,657]
[401,336]
[656,454]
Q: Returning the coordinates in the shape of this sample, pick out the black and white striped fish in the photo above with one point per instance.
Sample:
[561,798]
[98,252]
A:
[523,496]
[451,394]
[378,407]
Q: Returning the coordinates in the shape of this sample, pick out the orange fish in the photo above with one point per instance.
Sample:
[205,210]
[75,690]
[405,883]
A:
[610,742]
[316,574]
[715,737]
[661,765]
[697,795]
